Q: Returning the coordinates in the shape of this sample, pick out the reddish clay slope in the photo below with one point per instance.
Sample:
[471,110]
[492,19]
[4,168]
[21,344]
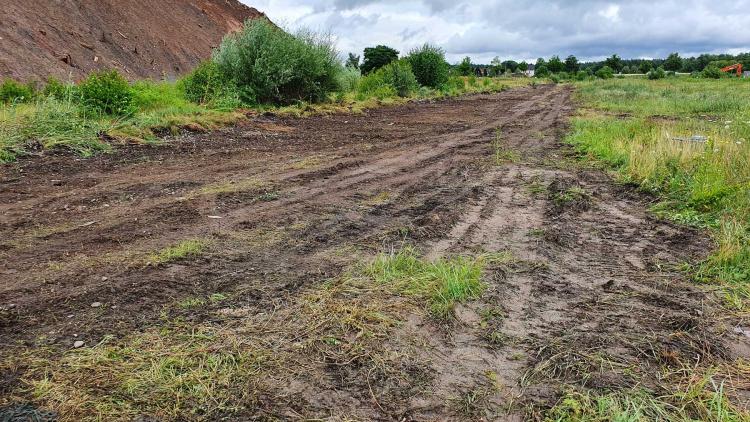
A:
[141,38]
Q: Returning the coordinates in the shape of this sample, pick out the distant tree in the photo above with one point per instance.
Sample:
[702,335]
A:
[571,64]
[497,66]
[615,63]
[627,70]
[555,65]
[465,68]
[646,66]
[541,71]
[510,65]
[377,57]
[352,61]
[605,72]
[523,66]
[540,62]
[673,63]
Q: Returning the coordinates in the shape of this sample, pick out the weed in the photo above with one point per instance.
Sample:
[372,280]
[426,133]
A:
[268,196]
[502,153]
[107,92]
[575,194]
[441,283]
[379,199]
[182,250]
[191,303]
[472,403]
[536,188]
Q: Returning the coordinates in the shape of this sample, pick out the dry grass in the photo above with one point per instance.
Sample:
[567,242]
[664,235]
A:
[181,371]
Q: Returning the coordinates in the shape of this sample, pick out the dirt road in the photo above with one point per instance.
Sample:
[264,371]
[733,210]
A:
[283,204]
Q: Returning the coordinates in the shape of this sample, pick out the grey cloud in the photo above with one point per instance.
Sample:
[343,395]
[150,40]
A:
[533,28]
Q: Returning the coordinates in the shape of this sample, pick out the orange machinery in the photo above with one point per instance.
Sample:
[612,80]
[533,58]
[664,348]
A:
[737,67]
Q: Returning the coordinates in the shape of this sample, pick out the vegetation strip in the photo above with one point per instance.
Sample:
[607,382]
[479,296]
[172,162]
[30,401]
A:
[183,370]
[686,141]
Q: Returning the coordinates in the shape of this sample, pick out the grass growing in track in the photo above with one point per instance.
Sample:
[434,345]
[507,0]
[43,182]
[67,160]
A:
[182,250]
[442,283]
[639,405]
[644,128]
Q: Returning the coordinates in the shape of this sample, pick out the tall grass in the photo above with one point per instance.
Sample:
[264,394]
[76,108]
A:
[646,129]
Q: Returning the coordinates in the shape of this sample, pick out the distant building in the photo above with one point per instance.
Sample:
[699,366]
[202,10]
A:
[530,71]
[746,74]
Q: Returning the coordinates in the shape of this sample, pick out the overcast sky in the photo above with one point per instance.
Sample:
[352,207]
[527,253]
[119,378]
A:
[525,30]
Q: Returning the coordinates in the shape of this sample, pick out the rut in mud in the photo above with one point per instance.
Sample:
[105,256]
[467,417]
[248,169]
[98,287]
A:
[285,204]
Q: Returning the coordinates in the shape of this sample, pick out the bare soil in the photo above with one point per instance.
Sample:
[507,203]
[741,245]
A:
[284,204]
[141,38]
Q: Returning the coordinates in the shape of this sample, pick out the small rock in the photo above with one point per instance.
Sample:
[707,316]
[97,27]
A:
[105,278]
[741,331]
[96,304]
[78,344]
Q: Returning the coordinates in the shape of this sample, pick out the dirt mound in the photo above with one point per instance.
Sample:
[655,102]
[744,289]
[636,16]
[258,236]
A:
[142,38]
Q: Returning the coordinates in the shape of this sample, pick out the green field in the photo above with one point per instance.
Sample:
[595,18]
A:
[685,140]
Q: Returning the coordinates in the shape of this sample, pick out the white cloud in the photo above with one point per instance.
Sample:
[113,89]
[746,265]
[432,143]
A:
[525,30]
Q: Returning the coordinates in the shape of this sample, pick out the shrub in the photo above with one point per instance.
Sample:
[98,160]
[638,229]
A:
[582,75]
[393,79]
[712,72]
[205,83]
[268,65]
[429,65]
[349,79]
[454,84]
[605,72]
[107,92]
[55,88]
[657,73]
[15,92]
[400,76]
[541,71]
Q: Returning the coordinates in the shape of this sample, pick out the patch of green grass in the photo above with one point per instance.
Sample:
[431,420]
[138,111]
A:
[643,129]
[442,283]
[697,403]
[191,303]
[182,250]
[51,124]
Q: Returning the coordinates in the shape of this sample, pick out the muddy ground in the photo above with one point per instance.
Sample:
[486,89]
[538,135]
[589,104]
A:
[286,204]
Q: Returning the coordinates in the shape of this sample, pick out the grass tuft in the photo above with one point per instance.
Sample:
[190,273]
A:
[182,250]
[442,283]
